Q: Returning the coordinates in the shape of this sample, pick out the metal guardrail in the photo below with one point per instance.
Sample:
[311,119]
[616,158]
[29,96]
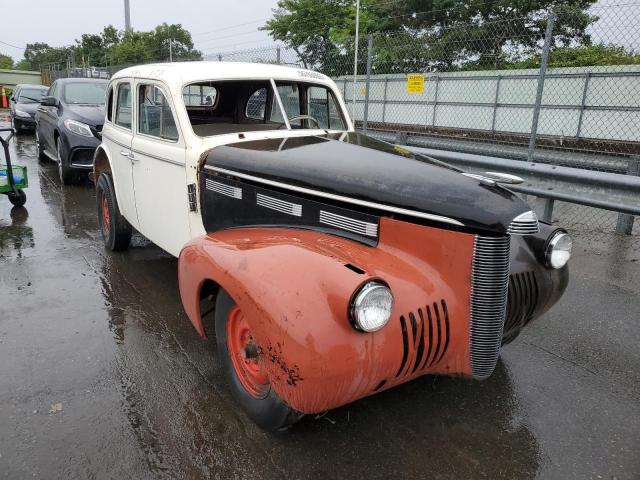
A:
[610,191]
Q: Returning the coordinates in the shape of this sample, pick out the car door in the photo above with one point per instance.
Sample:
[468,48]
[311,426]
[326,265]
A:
[159,173]
[46,118]
[117,134]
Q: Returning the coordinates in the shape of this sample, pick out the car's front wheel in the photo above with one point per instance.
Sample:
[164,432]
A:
[41,155]
[116,230]
[242,362]
[67,175]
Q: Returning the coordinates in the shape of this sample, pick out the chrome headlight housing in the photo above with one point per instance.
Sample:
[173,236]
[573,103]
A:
[559,250]
[22,113]
[371,306]
[78,128]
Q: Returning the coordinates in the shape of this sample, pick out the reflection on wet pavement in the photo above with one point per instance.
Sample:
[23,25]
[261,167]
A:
[142,396]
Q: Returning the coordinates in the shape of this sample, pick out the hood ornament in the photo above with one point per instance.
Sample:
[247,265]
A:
[496,177]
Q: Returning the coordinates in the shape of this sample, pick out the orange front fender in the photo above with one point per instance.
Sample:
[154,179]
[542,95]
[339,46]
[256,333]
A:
[295,288]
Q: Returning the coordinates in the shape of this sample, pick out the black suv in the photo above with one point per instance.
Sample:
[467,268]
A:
[68,124]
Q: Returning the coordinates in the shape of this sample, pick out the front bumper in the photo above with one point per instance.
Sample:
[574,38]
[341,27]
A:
[78,150]
[24,122]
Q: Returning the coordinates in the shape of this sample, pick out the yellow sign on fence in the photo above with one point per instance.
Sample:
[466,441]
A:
[415,83]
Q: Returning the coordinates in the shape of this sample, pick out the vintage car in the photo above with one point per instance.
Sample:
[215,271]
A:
[336,265]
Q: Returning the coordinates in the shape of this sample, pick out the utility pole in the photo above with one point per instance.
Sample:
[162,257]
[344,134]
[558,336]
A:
[127,16]
[171,50]
[355,61]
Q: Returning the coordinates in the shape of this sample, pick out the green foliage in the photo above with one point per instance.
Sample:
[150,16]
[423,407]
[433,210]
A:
[415,35]
[6,62]
[114,47]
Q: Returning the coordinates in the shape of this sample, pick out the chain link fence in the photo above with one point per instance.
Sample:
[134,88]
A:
[536,88]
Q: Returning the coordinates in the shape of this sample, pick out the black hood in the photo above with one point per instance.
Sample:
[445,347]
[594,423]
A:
[90,114]
[357,166]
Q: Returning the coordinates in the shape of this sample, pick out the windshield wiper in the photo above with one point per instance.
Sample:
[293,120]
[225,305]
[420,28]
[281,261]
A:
[29,98]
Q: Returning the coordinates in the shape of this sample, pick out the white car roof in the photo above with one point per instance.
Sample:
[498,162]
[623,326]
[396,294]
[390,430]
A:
[180,73]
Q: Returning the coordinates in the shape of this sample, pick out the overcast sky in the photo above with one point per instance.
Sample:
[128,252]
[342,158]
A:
[60,22]
[216,25]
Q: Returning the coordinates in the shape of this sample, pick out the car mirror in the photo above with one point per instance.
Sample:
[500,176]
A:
[49,102]
[13,99]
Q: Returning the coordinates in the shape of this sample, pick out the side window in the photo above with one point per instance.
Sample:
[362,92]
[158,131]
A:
[154,114]
[321,105]
[110,105]
[123,106]
[257,104]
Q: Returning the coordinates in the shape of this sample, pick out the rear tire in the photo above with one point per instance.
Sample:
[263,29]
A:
[115,229]
[250,386]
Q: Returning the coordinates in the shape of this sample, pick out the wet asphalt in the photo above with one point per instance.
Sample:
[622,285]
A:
[102,375]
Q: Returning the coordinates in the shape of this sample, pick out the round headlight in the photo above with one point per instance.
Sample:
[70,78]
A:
[559,250]
[371,307]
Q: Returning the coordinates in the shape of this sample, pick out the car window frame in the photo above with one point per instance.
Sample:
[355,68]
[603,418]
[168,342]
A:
[168,98]
[115,105]
[109,111]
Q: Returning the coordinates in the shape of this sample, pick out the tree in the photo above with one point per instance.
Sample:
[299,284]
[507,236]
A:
[427,34]
[6,62]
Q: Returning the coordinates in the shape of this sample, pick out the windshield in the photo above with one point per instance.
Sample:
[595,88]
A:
[31,95]
[235,106]
[85,93]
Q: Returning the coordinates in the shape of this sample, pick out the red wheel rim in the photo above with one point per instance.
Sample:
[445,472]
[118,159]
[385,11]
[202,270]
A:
[106,216]
[248,370]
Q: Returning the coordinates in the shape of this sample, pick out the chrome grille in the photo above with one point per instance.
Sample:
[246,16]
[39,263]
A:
[489,280]
[524,224]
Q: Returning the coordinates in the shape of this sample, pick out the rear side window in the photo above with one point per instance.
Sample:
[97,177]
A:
[257,105]
[154,114]
[123,106]
[110,105]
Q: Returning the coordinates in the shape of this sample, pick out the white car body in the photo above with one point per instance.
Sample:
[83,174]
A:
[151,175]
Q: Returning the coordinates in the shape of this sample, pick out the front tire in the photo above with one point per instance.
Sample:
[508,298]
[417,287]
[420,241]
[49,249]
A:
[40,151]
[67,175]
[249,383]
[116,230]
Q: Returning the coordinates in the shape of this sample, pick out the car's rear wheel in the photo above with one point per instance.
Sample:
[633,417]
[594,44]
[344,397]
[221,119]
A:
[242,362]
[115,229]
[67,175]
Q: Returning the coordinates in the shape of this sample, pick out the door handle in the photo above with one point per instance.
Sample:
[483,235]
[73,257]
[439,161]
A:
[125,153]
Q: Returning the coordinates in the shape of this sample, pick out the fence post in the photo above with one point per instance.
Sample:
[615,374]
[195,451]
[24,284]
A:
[278,55]
[435,102]
[548,40]
[625,221]
[495,104]
[368,82]
[384,98]
[583,104]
